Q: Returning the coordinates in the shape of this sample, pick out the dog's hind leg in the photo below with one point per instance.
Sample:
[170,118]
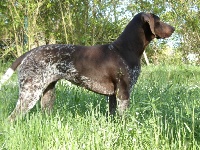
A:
[48,97]
[28,97]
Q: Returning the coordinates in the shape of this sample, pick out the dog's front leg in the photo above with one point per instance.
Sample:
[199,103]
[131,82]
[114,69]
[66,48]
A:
[112,104]
[122,106]
[122,96]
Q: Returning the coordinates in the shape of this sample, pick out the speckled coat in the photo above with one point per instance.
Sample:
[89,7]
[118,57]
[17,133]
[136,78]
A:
[110,69]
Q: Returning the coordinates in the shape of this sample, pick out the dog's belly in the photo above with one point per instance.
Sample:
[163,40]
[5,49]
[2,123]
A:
[105,88]
[93,83]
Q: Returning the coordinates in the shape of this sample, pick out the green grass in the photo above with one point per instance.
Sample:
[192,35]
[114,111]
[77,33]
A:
[164,114]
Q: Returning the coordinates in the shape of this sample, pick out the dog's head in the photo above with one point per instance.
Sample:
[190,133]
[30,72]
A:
[158,28]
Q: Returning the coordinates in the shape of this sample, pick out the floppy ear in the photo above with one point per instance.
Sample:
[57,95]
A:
[149,18]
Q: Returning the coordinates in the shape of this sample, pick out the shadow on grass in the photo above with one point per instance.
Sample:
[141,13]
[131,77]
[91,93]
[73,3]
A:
[77,100]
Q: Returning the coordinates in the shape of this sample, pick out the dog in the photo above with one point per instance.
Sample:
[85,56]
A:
[110,69]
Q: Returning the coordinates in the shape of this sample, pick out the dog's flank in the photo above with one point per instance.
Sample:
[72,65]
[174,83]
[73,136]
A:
[110,69]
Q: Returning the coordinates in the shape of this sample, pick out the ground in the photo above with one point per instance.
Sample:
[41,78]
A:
[164,114]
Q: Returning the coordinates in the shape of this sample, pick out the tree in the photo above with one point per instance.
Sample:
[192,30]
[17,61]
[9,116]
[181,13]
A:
[184,16]
[63,21]
[26,24]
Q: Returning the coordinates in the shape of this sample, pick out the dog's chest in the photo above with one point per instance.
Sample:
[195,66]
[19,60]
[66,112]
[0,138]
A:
[134,74]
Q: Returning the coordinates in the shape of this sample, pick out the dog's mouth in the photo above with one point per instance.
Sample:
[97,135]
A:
[168,32]
[164,36]
[158,37]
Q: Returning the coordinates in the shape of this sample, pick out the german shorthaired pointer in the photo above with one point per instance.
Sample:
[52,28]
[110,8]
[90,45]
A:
[110,69]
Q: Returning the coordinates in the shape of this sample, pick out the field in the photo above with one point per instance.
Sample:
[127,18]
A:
[164,114]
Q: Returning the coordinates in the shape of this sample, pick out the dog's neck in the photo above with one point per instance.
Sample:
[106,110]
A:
[132,42]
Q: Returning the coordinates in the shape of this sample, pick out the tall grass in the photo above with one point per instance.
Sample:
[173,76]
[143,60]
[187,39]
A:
[164,114]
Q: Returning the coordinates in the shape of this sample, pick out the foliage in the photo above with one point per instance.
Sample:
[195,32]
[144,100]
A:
[29,24]
[26,24]
[184,16]
[164,114]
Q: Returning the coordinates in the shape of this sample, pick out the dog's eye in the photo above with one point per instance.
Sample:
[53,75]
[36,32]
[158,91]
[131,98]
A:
[157,24]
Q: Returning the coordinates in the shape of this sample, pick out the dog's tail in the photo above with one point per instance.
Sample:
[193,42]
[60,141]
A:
[12,69]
